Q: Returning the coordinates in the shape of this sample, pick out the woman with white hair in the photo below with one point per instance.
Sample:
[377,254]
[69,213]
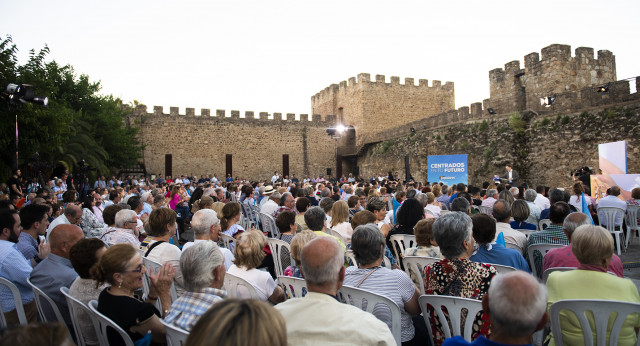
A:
[456,275]
[593,247]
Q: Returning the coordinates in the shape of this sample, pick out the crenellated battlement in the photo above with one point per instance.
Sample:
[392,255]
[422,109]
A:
[364,80]
[234,115]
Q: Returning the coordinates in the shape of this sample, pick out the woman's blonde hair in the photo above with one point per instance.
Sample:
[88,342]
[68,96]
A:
[591,244]
[339,213]
[205,202]
[249,249]
[298,242]
[235,322]
[217,207]
[114,260]
[437,191]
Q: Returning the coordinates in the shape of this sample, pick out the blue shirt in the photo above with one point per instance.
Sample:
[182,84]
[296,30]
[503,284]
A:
[480,341]
[499,254]
[523,225]
[146,209]
[15,268]
[51,274]
[27,245]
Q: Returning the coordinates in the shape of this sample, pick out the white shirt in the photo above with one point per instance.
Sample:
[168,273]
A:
[345,231]
[434,209]
[168,253]
[612,201]
[60,220]
[511,236]
[542,202]
[319,319]
[226,254]
[274,178]
[534,213]
[269,207]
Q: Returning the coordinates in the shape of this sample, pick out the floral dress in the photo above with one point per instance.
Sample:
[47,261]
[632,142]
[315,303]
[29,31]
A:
[459,278]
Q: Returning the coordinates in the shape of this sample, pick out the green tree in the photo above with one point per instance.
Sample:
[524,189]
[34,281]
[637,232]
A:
[79,123]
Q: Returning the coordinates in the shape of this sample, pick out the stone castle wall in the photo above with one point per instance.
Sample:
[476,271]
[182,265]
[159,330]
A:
[374,106]
[199,144]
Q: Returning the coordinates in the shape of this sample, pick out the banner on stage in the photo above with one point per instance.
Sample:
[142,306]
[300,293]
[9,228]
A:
[448,169]
[613,157]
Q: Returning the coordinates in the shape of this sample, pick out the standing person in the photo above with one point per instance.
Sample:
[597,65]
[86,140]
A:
[511,175]
[15,189]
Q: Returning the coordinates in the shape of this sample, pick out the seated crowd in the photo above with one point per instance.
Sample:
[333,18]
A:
[123,244]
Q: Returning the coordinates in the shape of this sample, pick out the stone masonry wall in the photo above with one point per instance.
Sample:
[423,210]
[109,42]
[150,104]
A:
[199,144]
[373,106]
[544,149]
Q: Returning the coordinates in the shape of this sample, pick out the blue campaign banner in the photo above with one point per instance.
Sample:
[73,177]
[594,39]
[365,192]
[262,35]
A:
[448,169]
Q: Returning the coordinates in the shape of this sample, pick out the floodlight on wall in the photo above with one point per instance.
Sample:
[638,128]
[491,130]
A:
[340,129]
[491,111]
[413,130]
[24,94]
[603,88]
[547,101]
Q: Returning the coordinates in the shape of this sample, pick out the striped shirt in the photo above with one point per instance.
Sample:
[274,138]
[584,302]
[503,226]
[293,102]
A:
[187,309]
[393,284]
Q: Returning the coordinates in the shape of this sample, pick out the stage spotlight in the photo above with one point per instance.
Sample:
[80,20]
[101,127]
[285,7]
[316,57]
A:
[340,128]
[24,94]
[491,111]
[604,88]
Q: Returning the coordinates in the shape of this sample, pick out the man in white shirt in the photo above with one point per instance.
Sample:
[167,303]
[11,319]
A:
[502,214]
[319,318]
[271,205]
[612,200]
[206,226]
[71,216]
[275,177]
[541,201]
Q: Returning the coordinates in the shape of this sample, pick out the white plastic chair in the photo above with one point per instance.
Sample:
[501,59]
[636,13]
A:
[175,336]
[155,266]
[503,269]
[485,210]
[400,242]
[293,287]
[39,296]
[547,272]
[542,223]
[609,215]
[247,216]
[632,222]
[514,246]
[602,312]
[369,301]
[104,322]
[76,310]
[231,283]
[337,235]
[543,249]
[351,256]
[454,306]
[281,253]
[17,298]
[269,225]
[227,240]
[415,265]
[526,232]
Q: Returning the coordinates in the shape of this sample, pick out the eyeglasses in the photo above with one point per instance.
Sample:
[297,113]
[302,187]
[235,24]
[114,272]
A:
[137,270]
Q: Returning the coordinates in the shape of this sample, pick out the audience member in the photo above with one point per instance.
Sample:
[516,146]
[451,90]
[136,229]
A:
[368,248]
[34,223]
[426,244]
[249,255]
[555,195]
[340,220]
[83,256]
[56,270]
[593,247]
[15,268]
[125,228]
[456,275]
[206,226]
[121,267]
[553,234]
[302,205]
[297,243]
[502,214]
[612,200]
[203,270]
[484,233]
[234,322]
[520,212]
[315,219]
[71,216]
[319,318]
[515,305]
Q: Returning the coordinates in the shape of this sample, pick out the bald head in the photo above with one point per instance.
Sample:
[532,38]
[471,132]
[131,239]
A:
[323,264]
[73,213]
[517,304]
[63,237]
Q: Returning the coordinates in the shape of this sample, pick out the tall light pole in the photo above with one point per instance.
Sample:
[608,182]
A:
[336,133]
